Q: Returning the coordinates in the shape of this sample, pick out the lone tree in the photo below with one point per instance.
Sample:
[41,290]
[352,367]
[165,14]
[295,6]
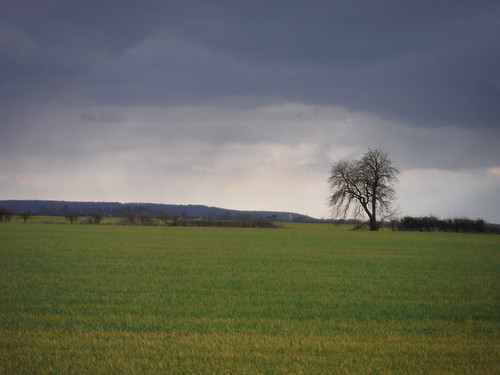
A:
[364,185]
[26,216]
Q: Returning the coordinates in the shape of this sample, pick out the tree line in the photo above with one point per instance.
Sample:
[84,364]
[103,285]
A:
[434,224]
[6,215]
[163,218]
[407,223]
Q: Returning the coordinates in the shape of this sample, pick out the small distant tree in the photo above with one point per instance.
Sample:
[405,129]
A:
[177,220]
[95,218]
[364,185]
[26,216]
[71,217]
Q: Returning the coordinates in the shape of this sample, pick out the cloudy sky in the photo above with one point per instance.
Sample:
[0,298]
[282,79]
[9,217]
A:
[247,104]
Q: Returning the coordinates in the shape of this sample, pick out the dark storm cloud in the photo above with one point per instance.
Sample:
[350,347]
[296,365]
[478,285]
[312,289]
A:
[101,117]
[429,63]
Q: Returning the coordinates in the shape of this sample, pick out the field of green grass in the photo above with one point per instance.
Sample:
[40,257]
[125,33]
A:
[305,299]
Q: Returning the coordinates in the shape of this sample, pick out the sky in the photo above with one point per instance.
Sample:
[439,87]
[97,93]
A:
[247,104]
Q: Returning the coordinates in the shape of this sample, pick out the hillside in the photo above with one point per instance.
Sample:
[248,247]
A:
[116,209]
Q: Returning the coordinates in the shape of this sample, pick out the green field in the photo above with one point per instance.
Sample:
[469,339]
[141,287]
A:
[305,299]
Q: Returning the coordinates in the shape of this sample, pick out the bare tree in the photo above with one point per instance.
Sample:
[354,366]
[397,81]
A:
[26,216]
[364,185]
[95,218]
[71,217]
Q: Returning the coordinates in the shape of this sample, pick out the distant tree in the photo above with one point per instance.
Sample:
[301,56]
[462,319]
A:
[95,218]
[177,220]
[26,216]
[364,185]
[5,214]
[71,217]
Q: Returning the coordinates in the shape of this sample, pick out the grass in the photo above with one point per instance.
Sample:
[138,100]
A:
[306,299]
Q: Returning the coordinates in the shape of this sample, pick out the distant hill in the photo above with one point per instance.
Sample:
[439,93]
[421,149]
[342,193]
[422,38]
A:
[116,209]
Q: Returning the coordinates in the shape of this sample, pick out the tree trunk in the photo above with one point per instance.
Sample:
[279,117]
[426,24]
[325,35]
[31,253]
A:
[373,216]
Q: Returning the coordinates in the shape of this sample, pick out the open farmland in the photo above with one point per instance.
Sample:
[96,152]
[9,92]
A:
[305,299]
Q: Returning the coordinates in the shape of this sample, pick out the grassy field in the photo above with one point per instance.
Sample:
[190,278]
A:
[305,299]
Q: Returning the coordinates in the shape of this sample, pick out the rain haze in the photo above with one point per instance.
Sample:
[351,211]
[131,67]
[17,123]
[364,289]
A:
[247,104]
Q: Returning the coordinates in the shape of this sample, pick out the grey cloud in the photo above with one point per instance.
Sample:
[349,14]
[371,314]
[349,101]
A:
[420,63]
[71,134]
[101,117]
